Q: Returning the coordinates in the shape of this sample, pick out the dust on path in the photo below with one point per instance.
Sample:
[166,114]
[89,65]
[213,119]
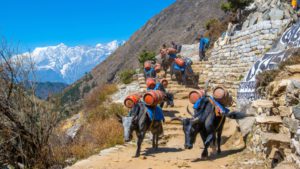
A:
[171,153]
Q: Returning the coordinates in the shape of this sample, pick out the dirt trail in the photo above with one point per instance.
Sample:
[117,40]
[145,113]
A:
[171,153]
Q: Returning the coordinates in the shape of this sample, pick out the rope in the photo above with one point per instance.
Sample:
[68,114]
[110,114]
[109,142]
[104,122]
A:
[217,113]
[220,123]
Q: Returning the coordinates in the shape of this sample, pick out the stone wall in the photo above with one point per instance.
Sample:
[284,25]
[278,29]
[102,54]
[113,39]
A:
[231,61]
[238,50]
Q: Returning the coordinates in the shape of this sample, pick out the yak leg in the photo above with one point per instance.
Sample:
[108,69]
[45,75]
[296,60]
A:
[219,135]
[139,144]
[184,78]
[156,141]
[208,140]
[162,104]
[219,141]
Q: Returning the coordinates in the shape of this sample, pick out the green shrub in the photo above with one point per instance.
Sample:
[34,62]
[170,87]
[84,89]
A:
[126,76]
[71,95]
[233,5]
[226,6]
[146,55]
[210,23]
[86,89]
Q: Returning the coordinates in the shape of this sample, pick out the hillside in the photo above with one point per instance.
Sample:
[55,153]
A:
[180,23]
[45,89]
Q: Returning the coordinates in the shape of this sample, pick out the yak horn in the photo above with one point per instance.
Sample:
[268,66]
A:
[188,110]
[119,116]
[206,85]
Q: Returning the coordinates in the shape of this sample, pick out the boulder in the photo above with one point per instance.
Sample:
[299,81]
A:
[285,111]
[276,14]
[296,145]
[290,123]
[296,111]
[254,17]
[246,125]
[262,104]
[275,137]
[293,68]
[276,88]
[268,120]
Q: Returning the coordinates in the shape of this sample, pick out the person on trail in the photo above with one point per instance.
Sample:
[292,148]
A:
[173,55]
[176,46]
[163,51]
[203,44]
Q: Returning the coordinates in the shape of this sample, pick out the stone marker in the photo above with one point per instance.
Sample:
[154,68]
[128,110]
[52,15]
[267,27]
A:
[292,124]
[268,120]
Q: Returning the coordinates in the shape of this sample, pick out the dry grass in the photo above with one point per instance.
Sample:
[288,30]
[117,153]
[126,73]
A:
[99,95]
[100,129]
[214,29]
[91,139]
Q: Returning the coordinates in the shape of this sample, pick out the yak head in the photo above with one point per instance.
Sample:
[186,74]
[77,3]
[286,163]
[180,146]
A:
[127,126]
[190,129]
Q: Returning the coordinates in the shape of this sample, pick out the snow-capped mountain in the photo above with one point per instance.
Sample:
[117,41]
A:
[67,64]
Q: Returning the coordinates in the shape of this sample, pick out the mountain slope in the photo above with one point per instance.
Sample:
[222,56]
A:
[67,64]
[43,90]
[180,23]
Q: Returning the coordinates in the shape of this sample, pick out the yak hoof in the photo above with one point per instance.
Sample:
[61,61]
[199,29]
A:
[204,155]
[219,151]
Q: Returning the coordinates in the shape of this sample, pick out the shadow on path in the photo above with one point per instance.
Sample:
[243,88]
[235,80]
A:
[170,113]
[222,155]
[151,151]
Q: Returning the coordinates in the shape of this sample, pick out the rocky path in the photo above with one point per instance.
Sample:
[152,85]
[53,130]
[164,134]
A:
[171,152]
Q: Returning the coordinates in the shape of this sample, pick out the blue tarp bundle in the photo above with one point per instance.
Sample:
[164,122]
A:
[218,105]
[155,112]
[177,67]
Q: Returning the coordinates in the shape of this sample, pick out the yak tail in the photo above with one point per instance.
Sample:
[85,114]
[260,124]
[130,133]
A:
[238,115]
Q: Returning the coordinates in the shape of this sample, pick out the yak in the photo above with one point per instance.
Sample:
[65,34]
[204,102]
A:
[140,122]
[207,123]
[186,75]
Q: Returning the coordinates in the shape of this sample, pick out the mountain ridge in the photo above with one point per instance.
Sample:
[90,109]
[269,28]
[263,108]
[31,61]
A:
[64,64]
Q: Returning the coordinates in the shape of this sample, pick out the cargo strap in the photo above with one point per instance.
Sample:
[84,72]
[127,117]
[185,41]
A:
[218,112]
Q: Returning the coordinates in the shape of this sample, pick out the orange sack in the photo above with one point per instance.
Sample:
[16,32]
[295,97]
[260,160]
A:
[147,65]
[164,82]
[150,83]
[195,95]
[131,100]
[153,97]
[179,61]
[221,95]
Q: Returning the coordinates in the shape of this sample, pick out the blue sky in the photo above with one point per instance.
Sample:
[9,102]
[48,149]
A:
[33,23]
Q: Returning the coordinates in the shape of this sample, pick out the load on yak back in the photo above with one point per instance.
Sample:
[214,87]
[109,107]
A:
[182,68]
[210,113]
[161,86]
[149,71]
[144,115]
[168,55]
